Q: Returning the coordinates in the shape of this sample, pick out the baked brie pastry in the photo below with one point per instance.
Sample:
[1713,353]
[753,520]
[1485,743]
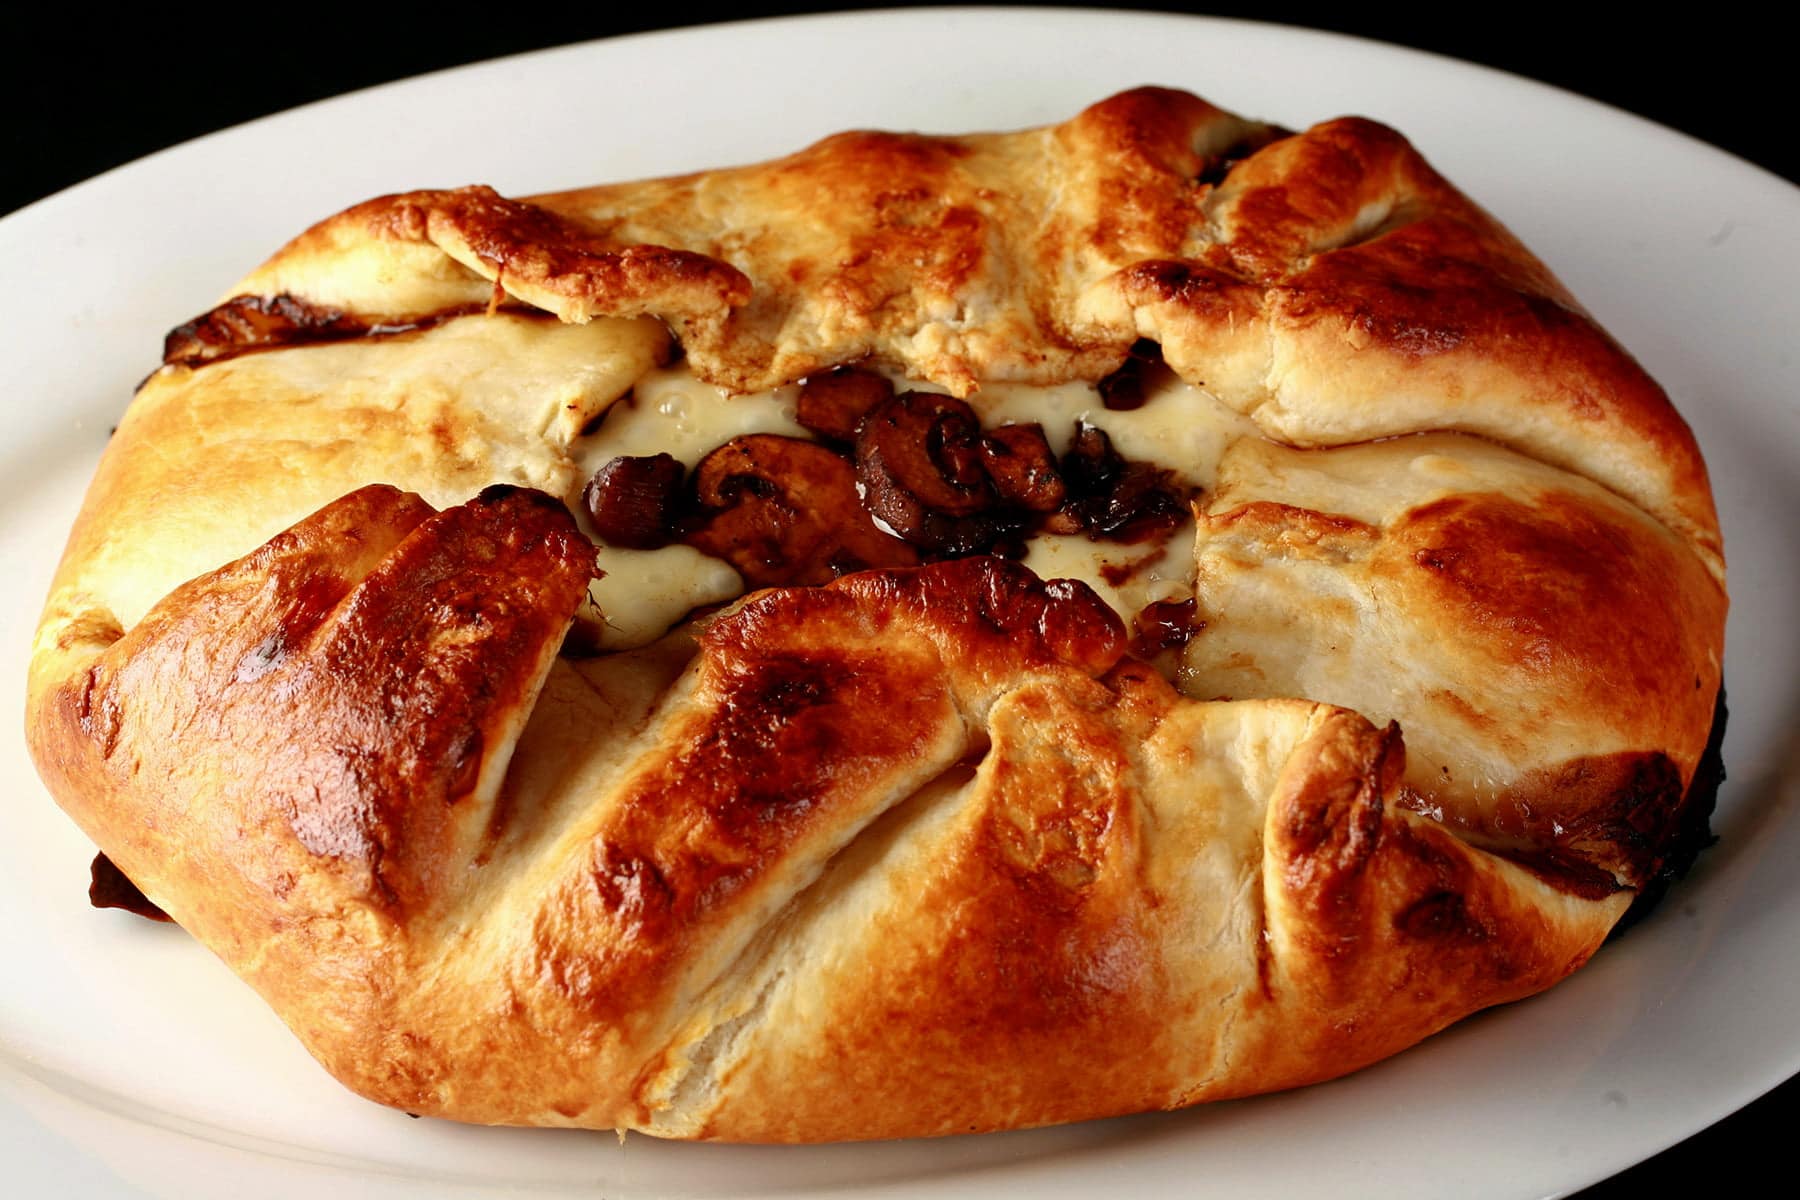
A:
[929,634]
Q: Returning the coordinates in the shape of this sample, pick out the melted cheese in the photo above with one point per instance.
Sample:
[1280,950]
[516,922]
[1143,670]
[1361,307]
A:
[1127,577]
[671,412]
[645,592]
[1179,426]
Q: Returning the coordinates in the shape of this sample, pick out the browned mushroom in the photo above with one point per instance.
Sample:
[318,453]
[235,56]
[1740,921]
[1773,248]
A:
[635,502]
[918,459]
[834,403]
[1114,498]
[1128,387]
[785,511]
[1023,471]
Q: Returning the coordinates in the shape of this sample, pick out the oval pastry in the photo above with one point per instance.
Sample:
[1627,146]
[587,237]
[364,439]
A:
[931,634]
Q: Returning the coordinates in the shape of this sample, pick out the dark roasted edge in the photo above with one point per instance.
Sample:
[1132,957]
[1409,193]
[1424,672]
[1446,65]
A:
[1693,833]
[110,887]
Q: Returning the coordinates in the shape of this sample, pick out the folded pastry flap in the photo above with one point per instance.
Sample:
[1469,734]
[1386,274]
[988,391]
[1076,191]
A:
[1330,283]
[315,792]
[1104,916]
[208,463]
[380,890]
[1384,927]
[1432,564]
[308,742]
[806,715]
[990,955]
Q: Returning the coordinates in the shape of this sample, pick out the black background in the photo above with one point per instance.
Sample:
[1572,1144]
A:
[85,93]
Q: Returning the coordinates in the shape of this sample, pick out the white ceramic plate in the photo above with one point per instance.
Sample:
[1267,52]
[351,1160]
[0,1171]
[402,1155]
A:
[133,1064]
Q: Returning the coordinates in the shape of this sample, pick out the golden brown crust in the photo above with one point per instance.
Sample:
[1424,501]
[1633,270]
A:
[1560,648]
[1038,923]
[1077,928]
[923,833]
[1331,284]
[358,681]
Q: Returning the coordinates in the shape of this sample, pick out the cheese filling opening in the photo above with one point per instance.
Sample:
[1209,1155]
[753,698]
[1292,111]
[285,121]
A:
[1177,428]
